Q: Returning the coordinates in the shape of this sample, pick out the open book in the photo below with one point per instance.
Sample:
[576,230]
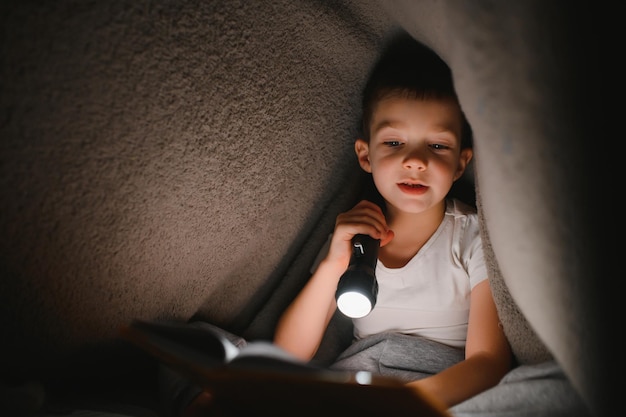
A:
[259,378]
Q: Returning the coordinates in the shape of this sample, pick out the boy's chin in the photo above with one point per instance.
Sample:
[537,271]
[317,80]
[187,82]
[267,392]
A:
[414,205]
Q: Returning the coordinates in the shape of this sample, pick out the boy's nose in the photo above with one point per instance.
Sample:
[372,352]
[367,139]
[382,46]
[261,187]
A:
[415,159]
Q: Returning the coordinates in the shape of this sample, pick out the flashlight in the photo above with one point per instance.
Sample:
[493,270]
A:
[358,288]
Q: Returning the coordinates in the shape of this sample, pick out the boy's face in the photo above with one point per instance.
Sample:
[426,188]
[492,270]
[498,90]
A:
[414,153]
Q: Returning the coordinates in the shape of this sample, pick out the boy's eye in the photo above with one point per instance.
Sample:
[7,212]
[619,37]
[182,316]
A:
[392,143]
[439,146]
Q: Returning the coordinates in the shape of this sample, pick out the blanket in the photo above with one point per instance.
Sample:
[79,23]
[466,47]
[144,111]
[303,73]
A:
[410,358]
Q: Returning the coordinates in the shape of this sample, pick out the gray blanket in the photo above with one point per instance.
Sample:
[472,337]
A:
[398,355]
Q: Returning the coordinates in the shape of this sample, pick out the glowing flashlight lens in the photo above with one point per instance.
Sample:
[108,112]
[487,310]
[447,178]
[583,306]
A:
[354,304]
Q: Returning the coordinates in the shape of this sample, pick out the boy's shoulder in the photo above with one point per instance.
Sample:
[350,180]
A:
[458,208]
[464,219]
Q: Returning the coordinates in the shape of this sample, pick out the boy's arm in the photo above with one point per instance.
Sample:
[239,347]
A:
[302,325]
[487,355]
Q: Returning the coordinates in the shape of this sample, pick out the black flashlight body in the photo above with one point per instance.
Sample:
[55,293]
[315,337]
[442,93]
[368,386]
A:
[360,276]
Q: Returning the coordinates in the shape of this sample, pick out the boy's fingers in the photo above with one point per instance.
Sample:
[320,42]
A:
[370,205]
[368,214]
[360,224]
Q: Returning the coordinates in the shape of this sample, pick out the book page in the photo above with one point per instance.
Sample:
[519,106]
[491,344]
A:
[180,341]
[264,355]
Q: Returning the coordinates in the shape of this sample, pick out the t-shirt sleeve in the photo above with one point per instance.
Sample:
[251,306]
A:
[473,253]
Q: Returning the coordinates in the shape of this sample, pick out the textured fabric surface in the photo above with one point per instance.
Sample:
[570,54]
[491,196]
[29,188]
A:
[168,159]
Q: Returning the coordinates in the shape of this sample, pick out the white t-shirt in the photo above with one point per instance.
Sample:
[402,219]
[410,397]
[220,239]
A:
[430,295]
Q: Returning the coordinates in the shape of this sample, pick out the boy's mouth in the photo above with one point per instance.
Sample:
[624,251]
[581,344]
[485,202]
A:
[412,188]
[406,184]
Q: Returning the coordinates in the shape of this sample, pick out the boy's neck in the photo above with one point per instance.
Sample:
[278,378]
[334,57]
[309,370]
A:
[401,220]
[411,232]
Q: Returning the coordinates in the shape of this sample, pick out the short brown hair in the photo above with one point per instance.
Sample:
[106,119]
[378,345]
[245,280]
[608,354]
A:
[408,68]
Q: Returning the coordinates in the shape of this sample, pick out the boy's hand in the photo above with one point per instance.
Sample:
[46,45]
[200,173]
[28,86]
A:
[365,218]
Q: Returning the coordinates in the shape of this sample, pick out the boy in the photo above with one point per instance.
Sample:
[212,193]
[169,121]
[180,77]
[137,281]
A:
[432,278]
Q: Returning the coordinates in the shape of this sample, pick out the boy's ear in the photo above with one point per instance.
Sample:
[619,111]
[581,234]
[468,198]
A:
[362,149]
[464,160]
